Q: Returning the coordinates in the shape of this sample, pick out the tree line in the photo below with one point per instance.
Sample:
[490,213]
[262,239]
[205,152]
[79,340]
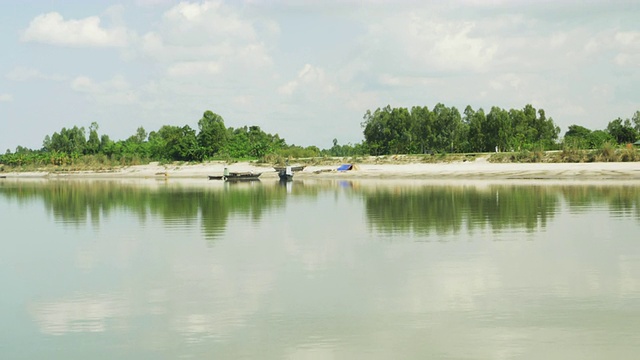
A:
[386,130]
[212,140]
[444,129]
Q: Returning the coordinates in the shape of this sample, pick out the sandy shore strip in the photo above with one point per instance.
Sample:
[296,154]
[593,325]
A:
[479,169]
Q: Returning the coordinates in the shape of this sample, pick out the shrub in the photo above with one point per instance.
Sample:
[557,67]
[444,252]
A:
[629,154]
[608,153]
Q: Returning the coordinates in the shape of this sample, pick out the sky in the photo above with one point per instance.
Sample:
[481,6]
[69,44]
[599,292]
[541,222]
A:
[308,70]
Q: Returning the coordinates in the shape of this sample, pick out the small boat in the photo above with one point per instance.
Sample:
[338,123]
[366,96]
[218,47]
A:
[285,174]
[293,168]
[236,176]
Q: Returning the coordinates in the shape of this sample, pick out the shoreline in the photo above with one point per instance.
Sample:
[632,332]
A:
[470,170]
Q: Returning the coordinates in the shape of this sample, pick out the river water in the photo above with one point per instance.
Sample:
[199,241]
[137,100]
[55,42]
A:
[193,269]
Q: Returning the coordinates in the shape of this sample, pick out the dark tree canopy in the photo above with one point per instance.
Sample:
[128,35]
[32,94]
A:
[444,129]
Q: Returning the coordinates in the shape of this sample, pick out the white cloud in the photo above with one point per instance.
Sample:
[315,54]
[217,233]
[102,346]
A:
[52,28]
[114,91]
[629,46]
[211,18]
[311,78]
[416,40]
[207,38]
[151,3]
[628,38]
[85,84]
[193,68]
[6,97]
[21,73]
[506,81]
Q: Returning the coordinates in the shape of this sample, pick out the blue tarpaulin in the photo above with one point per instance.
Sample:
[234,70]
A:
[345,167]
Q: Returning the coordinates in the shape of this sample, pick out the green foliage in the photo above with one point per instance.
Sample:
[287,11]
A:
[622,130]
[338,150]
[174,143]
[526,133]
[398,131]
[298,152]
[212,137]
[67,141]
[252,142]
[608,153]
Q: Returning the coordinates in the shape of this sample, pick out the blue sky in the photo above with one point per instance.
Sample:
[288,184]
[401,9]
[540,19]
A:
[308,70]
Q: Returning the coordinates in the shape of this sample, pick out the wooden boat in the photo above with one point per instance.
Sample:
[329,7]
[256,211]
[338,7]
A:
[286,173]
[284,176]
[293,168]
[237,176]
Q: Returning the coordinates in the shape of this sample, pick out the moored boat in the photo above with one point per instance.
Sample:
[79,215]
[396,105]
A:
[285,174]
[237,176]
[293,168]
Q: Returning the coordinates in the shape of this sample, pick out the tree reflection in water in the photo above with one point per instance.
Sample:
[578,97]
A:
[422,209]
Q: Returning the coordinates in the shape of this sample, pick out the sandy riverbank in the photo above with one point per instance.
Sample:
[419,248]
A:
[479,169]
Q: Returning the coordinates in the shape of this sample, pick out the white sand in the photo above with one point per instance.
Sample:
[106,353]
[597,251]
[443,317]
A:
[479,169]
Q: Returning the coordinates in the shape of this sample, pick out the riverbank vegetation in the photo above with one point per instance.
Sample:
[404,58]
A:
[432,135]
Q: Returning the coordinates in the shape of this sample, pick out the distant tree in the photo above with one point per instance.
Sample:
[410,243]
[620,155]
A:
[377,133]
[174,143]
[213,133]
[46,144]
[597,138]
[636,121]
[93,144]
[140,136]
[622,131]
[498,129]
[577,131]
[389,130]
[577,136]
[422,128]
[476,121]
[105,142]
[68,141]
[547,130]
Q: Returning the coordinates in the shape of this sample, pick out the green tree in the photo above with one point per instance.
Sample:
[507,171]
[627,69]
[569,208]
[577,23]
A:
[213,133]
[498,129]
[636,121]
[93,144]
[68,141]
[448,126]
[174,143]
[547,130]
[622,131]
[476,136]
[422,128]
[577,136]
[597,138]
[377,133]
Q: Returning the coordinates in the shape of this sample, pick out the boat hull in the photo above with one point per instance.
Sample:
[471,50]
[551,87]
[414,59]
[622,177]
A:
[236,177]
[284,176]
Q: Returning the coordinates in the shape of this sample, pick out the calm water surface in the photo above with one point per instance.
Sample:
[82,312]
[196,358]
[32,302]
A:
[172,269]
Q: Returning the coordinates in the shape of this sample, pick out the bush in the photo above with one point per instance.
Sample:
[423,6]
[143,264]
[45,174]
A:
[608,153]
[629,154]
[572,155]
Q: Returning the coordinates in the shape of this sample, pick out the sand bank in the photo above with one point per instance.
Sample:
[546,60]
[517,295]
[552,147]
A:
[479,169]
